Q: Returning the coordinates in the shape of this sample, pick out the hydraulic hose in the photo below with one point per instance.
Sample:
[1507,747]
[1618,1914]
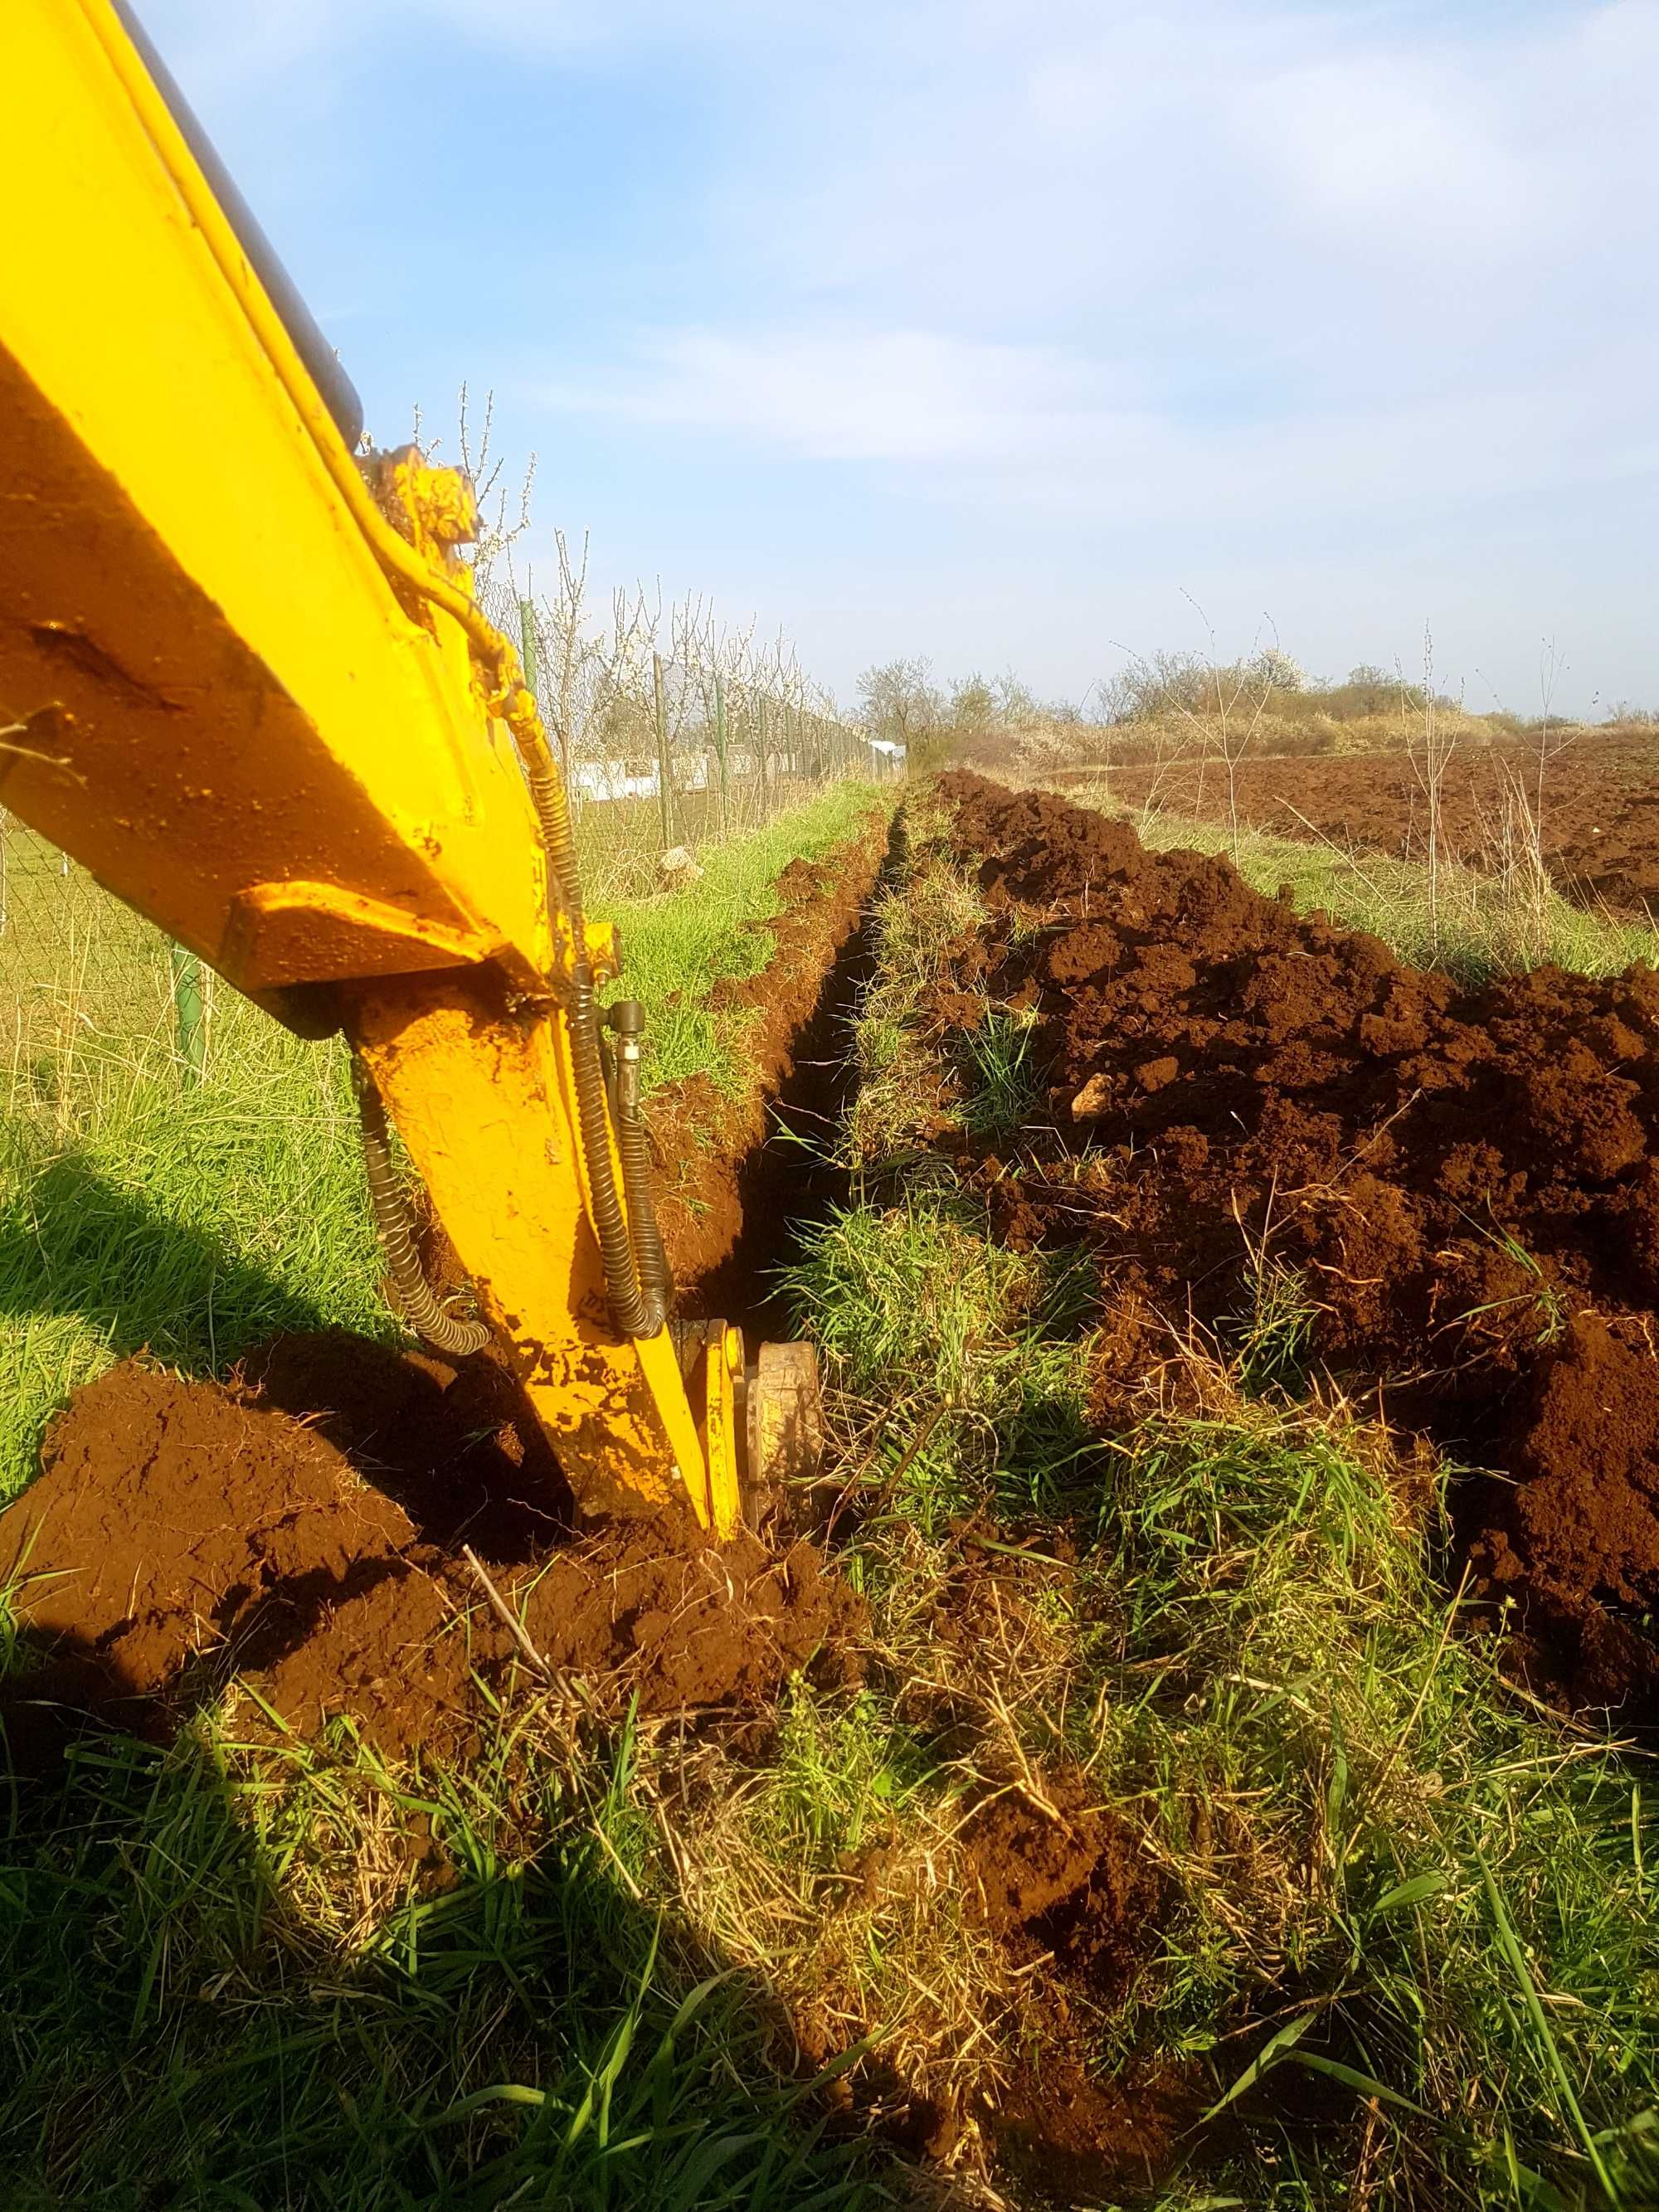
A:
[634,1147]
[415,1299]
[637,1308]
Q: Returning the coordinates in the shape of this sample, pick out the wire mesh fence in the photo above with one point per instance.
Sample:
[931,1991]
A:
[84,980]
[701,742]
[672,733]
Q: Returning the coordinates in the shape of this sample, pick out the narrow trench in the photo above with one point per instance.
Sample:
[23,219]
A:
[792,1180]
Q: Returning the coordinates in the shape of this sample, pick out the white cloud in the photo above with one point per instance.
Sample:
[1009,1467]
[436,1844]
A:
[847,395]
[1045,431]
[1204,260]
[1387,150]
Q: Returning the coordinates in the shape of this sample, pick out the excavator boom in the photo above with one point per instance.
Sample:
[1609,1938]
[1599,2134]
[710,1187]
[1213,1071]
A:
[243,680]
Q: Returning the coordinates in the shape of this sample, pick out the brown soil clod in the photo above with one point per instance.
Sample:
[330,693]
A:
[1459,1187]
[1065,1886]
[180,1532]
[1066,1878]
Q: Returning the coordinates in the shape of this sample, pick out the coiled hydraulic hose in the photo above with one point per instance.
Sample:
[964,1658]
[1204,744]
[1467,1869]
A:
[627,1019]
[415,1296]
[637,1308]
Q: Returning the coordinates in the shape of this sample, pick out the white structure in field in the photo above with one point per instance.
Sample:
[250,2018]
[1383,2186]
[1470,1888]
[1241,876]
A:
[613,778]
[636,775]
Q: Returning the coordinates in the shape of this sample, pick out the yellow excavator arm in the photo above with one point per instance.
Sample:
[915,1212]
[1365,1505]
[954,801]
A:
[243,680]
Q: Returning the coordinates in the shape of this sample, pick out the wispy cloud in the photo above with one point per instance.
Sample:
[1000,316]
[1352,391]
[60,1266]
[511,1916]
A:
[1331,259]
[849,395]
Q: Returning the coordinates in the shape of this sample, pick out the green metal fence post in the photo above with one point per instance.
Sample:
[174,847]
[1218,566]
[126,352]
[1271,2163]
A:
[720,747]
[527,642]
[665,800]
[187,1013]
[760,751]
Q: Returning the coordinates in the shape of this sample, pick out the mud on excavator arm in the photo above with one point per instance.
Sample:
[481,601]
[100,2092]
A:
[243,680]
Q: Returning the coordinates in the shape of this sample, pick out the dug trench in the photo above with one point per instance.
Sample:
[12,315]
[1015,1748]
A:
[1462,1191]
[305,1526]
[1271,1134]
[321,1537]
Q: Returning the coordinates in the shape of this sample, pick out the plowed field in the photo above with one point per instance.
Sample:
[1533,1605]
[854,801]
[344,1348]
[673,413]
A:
[1601,811]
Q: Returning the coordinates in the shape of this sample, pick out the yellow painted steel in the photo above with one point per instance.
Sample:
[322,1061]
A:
[722,1364]
[243,680]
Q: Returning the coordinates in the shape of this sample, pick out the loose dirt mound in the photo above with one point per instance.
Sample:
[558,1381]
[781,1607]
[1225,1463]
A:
[179,1533]
[1602,805]
[1456,1194]
[1067,1878]
[1076,1904]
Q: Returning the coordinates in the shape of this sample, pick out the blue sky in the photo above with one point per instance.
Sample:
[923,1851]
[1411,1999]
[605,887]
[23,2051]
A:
[1000,332]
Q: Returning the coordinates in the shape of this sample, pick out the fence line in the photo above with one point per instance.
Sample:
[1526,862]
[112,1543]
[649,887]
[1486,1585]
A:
[688,746]
[701,742]
[81,974]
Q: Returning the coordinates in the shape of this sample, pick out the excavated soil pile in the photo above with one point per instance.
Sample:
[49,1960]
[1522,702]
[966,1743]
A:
[1464,1184]
[179,1532]
[1600,810]
[718,1177]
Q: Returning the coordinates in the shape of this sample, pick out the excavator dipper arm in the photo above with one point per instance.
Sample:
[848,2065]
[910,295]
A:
[243,680]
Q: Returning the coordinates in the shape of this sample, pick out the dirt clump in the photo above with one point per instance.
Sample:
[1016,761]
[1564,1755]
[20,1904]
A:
[181,1532]
[1060,1877]
[455,1444]
[165,1512]
[1064,1884]
[1024,1858]
[1263,1121]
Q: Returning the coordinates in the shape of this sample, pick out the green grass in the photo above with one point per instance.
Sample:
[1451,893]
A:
[1259,1667]
[1409,1951]
[229,1984]
[137,1213]
[972,1356]
[254,1975]
[677,948]
[1288,1673]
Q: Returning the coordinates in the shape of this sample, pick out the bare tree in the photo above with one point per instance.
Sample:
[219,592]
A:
[1233,698]
[568,652]
[899,701]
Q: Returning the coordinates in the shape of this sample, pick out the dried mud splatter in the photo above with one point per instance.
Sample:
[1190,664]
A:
[1463,1185]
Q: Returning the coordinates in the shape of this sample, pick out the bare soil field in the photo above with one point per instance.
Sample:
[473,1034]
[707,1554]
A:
[1600,815]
